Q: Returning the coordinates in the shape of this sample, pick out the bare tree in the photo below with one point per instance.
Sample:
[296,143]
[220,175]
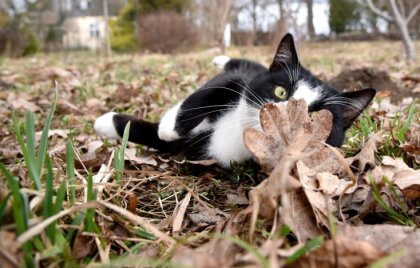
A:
[396,13]
[311,28]
[214,15]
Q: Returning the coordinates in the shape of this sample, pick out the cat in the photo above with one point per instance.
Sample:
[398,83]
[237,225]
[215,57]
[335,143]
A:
[209,123]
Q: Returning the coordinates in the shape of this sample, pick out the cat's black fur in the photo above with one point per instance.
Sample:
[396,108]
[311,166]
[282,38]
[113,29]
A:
[240,82]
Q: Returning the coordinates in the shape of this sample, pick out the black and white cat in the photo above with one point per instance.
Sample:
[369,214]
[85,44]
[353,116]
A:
[209,123]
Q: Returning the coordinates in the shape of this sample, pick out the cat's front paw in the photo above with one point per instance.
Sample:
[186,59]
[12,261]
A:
[104,126]
[166,130]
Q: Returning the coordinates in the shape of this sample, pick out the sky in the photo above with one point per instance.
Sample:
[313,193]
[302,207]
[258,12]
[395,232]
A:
[271,14]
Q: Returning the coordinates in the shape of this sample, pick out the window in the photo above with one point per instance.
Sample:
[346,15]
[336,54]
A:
[94,30]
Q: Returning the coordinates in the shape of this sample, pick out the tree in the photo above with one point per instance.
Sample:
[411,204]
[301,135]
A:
[343,14]
[213,16]
[310,22]
[398,14]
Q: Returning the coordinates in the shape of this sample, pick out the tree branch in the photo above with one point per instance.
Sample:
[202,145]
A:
[375,10]
[412,13]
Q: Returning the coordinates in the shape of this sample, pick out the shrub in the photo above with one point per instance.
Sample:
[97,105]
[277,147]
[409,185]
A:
[166,32]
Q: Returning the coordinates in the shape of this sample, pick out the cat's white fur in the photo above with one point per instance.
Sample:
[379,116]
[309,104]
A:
[226,144]
[220,61]
[166,130]
[306,92]
[104,126]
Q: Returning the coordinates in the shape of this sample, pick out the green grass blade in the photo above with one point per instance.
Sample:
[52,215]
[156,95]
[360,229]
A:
[48,199]
[70,171]
[90,224]
[61,196]
[388,210]
[43,144]
[3,205]
[309,245]
[29,161]
[119,161]
[249,248]
[407,123]
[387,260]
[30,135]
[20,209]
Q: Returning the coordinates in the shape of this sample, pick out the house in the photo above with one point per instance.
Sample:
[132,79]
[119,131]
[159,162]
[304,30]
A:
[83,22]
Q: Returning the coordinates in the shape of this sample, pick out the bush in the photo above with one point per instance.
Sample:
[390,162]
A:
[166,32]
[122,29]
[343,15]
[17,43]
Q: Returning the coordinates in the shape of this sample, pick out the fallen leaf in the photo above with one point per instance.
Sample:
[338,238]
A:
[288,133]
[286,128]
[10,253]
[179,213]
[83,246]
[236,199]
[296,212]
[130,154]
[390,239]
[366,156]
[408,181]
[344,252]
[388,168]
[19,103]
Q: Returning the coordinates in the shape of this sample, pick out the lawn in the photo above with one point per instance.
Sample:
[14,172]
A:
[69,198]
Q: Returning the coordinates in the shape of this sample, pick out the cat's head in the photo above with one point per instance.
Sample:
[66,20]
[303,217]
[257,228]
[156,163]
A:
[287,78]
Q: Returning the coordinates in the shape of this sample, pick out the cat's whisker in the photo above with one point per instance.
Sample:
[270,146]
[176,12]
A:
[210,106]
[261,101]
[239,93]
[343,100]
[207,113]
[353,106]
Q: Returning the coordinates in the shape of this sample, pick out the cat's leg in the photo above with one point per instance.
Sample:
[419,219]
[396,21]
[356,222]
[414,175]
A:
[217,96]
[111,125]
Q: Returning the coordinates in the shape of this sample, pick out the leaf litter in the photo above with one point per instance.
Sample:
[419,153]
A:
[306,191]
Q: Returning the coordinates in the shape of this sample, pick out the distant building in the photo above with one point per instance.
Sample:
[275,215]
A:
[83,23]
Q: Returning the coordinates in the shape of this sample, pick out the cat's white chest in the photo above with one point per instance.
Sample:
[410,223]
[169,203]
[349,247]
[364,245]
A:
[227,144]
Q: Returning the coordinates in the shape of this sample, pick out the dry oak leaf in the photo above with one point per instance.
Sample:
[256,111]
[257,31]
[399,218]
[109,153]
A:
[408,181]
[350,253]
[401,175]
[390,239]
[412,146]
[288,131]
[366,156]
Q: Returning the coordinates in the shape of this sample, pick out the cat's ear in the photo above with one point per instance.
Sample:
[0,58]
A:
[356,102]
[286,57]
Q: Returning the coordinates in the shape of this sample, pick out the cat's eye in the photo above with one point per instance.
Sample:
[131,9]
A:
[280,92]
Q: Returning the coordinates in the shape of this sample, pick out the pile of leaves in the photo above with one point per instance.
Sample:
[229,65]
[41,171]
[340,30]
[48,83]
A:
[69,198]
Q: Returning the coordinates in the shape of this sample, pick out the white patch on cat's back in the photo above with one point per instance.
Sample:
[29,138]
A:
[220,61]
[306,92]
[203,126]
[104,126]
[226,143]
[166,130]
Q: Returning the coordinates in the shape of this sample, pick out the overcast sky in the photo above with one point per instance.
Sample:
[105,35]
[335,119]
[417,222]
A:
[271,14]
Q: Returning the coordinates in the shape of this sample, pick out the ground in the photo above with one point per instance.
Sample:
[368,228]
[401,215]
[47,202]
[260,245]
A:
[171,210]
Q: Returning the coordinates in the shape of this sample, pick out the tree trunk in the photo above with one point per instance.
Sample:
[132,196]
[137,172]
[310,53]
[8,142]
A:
[402,26]
[107,41]
[282,22]
[311,28]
